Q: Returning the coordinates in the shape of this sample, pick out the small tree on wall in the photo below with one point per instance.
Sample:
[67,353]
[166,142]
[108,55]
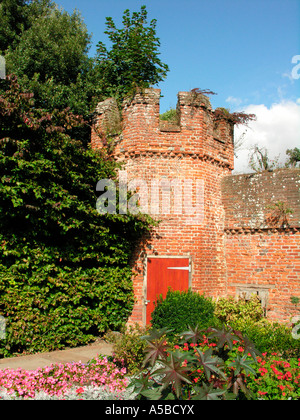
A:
[133,59]
[260,160]
[294,157]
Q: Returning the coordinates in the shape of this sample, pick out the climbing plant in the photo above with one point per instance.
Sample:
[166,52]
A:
[65,273]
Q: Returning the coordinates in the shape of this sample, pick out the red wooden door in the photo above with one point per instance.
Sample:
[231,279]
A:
[164,273]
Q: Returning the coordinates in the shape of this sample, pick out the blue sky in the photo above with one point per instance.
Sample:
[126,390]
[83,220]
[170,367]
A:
[240,49]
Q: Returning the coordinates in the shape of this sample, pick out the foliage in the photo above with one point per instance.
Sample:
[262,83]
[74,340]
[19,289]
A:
[170,115]
[205,369]
[133,59]
[273,337]
[277,379]
[13,21]
[129,348]
[59,379]
[50,58]
[198,91]
[47,48]
[247,317]
[179,310]
[65,40]
[279,214]
[237,118]
[294,157]
[260,160]
[295,300]
[238,313]
[64,269]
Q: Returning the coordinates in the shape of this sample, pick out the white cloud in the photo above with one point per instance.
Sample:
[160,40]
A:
[277,129]
[234,101]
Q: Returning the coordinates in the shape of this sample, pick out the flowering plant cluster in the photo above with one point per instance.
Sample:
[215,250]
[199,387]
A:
[63,380]
[227,358]
[277,379]
[214,364]
[88,392]
[207,366]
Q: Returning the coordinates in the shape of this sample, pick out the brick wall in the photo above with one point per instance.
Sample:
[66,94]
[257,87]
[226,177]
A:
[262,238]
[198,147]
[243,239]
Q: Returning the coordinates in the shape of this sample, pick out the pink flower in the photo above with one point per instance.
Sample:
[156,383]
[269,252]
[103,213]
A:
[80,391]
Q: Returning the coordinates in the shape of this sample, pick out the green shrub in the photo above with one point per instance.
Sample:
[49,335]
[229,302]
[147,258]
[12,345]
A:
[171,115]
[239,313]
[179,310]
[129,348]
[247,317]
[273,337]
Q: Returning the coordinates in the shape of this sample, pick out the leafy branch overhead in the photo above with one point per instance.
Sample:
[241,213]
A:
[67,76]
[237,118]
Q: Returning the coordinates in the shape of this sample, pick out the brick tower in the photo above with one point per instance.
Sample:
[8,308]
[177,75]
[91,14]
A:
[177,168]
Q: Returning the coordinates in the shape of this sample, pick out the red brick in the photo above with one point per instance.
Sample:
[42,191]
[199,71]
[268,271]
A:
[236,244]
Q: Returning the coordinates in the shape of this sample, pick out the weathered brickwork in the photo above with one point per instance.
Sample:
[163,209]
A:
[262,230]
[256,201]
[198,147]
[268,263]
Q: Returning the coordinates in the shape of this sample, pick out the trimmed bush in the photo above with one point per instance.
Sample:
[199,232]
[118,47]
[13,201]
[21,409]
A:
[179,310]
[273,337]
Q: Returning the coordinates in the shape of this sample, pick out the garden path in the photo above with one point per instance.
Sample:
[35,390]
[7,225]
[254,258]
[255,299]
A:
[40,360]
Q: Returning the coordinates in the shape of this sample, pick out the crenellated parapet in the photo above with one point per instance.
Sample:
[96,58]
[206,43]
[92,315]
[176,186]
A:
[197,132]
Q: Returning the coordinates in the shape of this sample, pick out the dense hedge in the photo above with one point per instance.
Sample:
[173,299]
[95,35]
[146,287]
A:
[64,269]
[179,310]
[48,312]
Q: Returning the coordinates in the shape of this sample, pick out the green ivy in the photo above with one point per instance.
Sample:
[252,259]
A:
[65,273]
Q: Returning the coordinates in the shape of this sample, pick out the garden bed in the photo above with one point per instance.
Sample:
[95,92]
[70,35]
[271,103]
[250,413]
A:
[219,365]
[253,358]
[98,379]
